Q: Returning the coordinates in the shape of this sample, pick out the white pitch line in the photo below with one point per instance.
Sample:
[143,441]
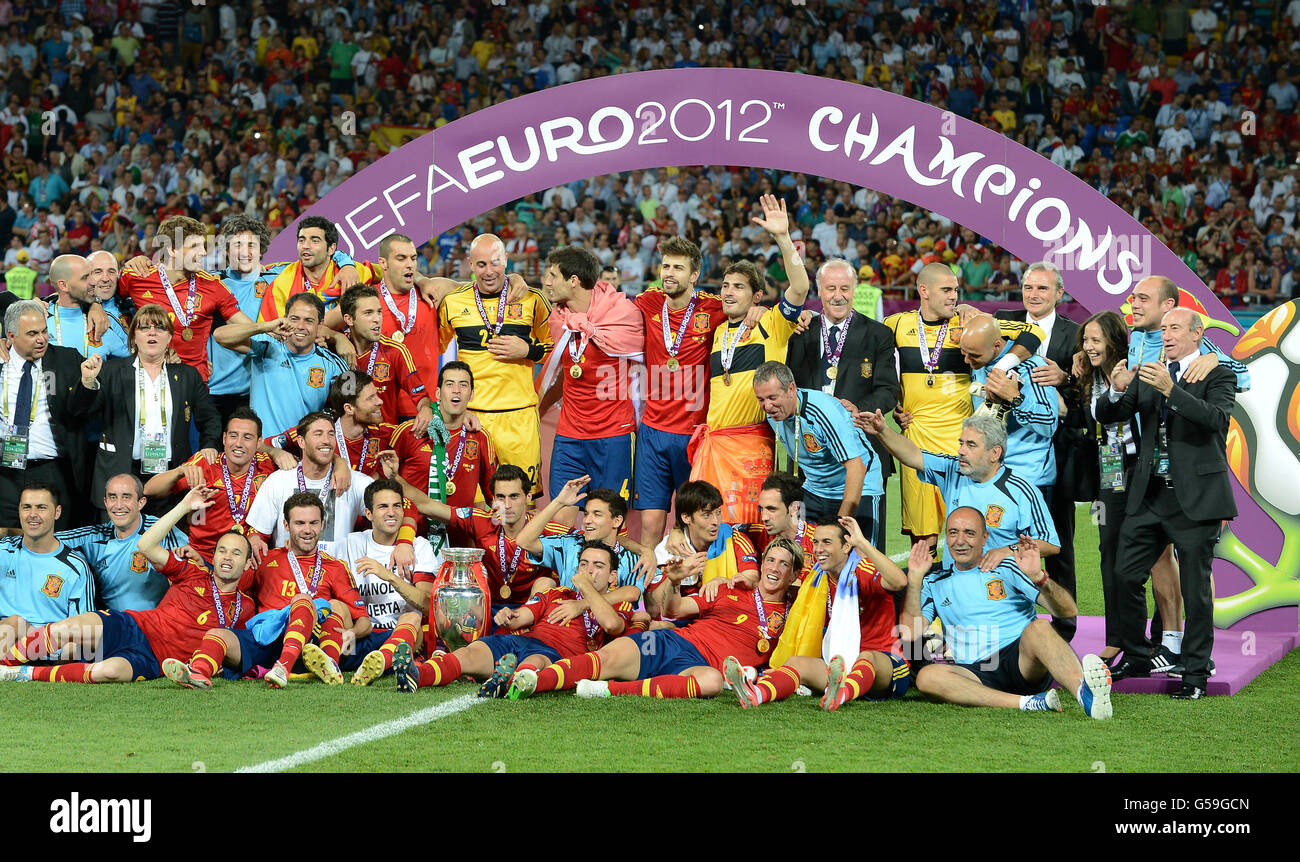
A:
[370,734]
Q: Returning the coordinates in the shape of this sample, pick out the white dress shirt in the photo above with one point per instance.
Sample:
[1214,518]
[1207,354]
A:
[40,436]
[1046,325]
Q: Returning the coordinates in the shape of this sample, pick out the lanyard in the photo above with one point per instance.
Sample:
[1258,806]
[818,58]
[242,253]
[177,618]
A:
[507,575]
[930,358]
[729,348]
[1102,436]
[762,614]
[58,333]
[238,505]
[343,444]
[798,441]
[673,343]
[36,391]
[140,377]
[239,602]
[482,311]
[323,493]
[832,355]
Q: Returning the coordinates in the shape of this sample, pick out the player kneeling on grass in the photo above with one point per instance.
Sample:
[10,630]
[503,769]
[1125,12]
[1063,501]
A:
[738,621]
[129,644]
[495,656]
[288,584]
[859,584]
[1005,655]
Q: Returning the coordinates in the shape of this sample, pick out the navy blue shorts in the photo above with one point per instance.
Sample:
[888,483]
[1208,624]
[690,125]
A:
[664,652]
[521,645]
[899,683]
[365,646]
[1002,672]
[608,461]
[253,654]
[661,467]
[122,637]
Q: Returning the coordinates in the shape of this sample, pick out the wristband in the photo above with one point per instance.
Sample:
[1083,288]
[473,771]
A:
[1008,362]
[406,535]
[1039,583]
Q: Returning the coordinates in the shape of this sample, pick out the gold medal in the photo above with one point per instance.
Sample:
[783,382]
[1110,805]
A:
[763,646]
[187,334]
[575,371]
[451,487]
[832,371]
[929,379]
[399,336]
[672,363]
[726,378]
[593,645]
[505,591]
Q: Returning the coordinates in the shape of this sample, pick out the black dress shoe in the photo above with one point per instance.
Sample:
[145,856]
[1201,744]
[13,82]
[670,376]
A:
[1130,668]
[1189,692]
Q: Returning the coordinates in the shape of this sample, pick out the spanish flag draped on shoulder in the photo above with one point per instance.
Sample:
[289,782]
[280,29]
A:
[279,281]
[808,631]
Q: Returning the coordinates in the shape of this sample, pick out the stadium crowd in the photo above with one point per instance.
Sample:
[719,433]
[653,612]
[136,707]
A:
[308,398]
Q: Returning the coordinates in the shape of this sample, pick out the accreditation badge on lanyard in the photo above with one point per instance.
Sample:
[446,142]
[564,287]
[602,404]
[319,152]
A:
[16,437]
[1111,459]
[153,447]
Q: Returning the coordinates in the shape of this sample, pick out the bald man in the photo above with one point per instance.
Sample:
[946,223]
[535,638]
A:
[1026,407]
[71,275]
[1178,492]
[502,341]
[935,382]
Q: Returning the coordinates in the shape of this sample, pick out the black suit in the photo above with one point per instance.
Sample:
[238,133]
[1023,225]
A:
[1187,509]
[69,407]
[118,403]
[1061,342]
[866,375]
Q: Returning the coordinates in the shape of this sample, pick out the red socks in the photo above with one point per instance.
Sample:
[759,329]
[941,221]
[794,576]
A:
[405,633]
[76,671]
[302,619]
[208,657]
[860,679]
[331,637]
[777,684]
[439,670]
[35,646]
[566,672]
[658,686]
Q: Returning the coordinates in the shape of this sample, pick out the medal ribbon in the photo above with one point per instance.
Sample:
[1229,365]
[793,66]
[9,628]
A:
[832,357]
[343,444]
[317,568]
[575,352]
[374,356]
[482,311]
[672,343]
[187,317]
[729,349]
[239,601]
[323,493]
[238,509]
[762,614]
[930,358]
[407,322]
[507,575]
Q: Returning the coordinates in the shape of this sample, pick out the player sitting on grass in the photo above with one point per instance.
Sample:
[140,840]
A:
[1005,655]
[495,656]
[738,621]
[129,644]
[288,583]
[861,620]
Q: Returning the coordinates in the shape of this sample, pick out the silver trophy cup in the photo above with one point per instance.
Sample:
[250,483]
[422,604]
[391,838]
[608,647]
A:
[460,607]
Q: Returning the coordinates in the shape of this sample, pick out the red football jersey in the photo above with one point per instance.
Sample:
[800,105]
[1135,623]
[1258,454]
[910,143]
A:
[571,638]
[275,584]
[422,341]
[219,517]
[369,444]
[728,625]
[876,613]
[211,298]
[475,526]
[400,385]
[175,628]
[599,403]
[473,477]
[677,401]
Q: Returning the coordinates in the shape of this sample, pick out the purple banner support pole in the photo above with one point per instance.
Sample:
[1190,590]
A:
[778,120]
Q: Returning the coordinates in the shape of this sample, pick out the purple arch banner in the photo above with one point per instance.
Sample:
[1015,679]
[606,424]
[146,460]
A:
[777,120]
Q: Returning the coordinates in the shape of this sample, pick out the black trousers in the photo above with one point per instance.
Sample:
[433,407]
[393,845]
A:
[1110,520]
[1142,539]
[51,471]
[1060,567]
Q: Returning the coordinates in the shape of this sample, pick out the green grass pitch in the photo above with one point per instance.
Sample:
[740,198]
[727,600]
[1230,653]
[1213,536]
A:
[154,726]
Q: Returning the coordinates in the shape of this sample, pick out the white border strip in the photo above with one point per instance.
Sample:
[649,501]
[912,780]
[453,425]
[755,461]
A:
[371,734]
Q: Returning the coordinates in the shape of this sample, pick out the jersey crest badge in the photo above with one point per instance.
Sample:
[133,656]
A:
[700,322]
[53,584]
[259,289]
[997,592]
[993,517]
[137,562]
[810,442]
[471,449]
[383,372]
[515,310]
[316,377]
